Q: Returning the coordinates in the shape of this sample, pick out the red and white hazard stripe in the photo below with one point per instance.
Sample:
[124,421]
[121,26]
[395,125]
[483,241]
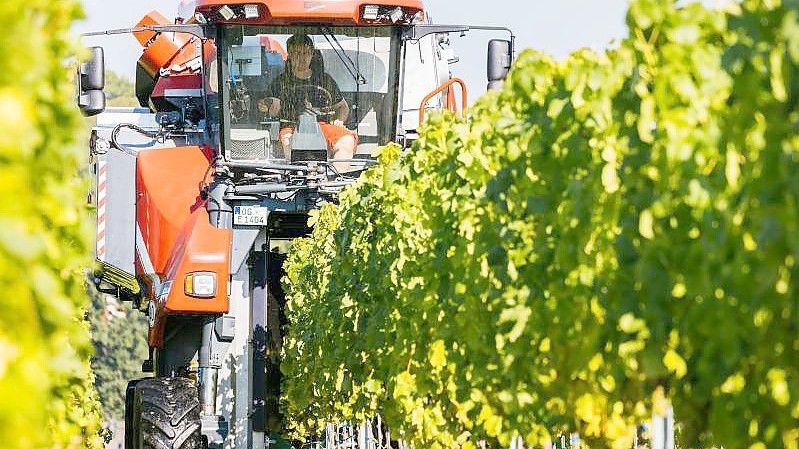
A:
[101,208]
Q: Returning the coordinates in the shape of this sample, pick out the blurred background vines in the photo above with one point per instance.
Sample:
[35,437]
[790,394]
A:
[120,345]
[45,381]
[606,235]
[119,91]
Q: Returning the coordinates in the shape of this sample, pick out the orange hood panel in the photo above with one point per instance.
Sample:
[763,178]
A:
[167,191]
[200,247]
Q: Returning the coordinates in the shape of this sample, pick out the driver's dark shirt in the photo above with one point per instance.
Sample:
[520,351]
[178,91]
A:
[293,96]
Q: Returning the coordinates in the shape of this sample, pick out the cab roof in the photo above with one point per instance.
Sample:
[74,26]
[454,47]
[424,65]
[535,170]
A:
[284,12]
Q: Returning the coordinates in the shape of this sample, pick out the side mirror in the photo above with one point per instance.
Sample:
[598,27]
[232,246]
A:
[91,102]
[499,62]
[91,82]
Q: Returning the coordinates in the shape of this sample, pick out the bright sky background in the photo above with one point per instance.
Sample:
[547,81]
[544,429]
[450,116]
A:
[557,27]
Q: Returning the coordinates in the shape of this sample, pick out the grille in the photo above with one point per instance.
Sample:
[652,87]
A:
[249,144]
[248,149]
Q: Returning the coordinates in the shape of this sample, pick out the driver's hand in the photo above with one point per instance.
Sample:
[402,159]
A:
[338,123]
[269,106]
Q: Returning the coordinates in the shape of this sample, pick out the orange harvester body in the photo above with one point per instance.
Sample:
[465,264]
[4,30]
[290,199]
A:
[177,232]
[171,215]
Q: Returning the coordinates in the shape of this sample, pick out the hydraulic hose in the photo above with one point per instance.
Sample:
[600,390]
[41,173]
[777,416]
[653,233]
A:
[140,130]
[270,166]
[266,189]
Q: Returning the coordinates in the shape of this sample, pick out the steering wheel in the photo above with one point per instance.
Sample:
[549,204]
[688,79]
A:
[317,99]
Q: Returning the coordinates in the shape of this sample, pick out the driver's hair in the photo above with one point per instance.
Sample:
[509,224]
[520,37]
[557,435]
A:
[299,39]
[317,63]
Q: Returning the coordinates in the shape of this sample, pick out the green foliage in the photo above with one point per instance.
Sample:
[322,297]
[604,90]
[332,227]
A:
[46,397]
[119,335]
[119,91]
[605,234]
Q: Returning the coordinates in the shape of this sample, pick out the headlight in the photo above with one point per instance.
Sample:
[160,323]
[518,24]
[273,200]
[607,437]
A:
[396,14]
[200,285]
[370,12]
[251,12]
[391,14]
[226,12]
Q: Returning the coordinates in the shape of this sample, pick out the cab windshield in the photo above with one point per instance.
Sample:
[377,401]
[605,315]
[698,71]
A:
[343,77]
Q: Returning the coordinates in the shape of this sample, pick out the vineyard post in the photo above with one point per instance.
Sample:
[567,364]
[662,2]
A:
[663,430]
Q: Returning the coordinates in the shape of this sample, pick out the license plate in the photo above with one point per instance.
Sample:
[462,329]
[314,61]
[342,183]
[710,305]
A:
[250,215]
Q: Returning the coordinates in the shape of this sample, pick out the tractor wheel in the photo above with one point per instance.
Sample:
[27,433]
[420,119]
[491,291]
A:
[129,429]
[166,414]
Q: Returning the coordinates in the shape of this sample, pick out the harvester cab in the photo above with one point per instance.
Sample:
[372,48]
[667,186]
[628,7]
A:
[253,113]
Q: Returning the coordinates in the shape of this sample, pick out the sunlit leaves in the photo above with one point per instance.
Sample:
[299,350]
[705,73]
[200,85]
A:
[606,235]
[45,382]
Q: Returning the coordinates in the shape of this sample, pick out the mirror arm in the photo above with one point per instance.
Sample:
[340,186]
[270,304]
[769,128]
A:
[417,32]
[195,30]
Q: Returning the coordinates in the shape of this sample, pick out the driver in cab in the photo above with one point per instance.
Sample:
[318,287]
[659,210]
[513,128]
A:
[303,85]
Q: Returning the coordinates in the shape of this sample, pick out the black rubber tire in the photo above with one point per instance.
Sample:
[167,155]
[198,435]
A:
[166,414]
[130,392]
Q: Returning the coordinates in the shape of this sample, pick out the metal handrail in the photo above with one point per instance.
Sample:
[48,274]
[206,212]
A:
[440,89]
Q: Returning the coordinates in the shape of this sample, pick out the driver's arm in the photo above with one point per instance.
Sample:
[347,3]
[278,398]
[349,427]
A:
[342,110]
[271,103]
